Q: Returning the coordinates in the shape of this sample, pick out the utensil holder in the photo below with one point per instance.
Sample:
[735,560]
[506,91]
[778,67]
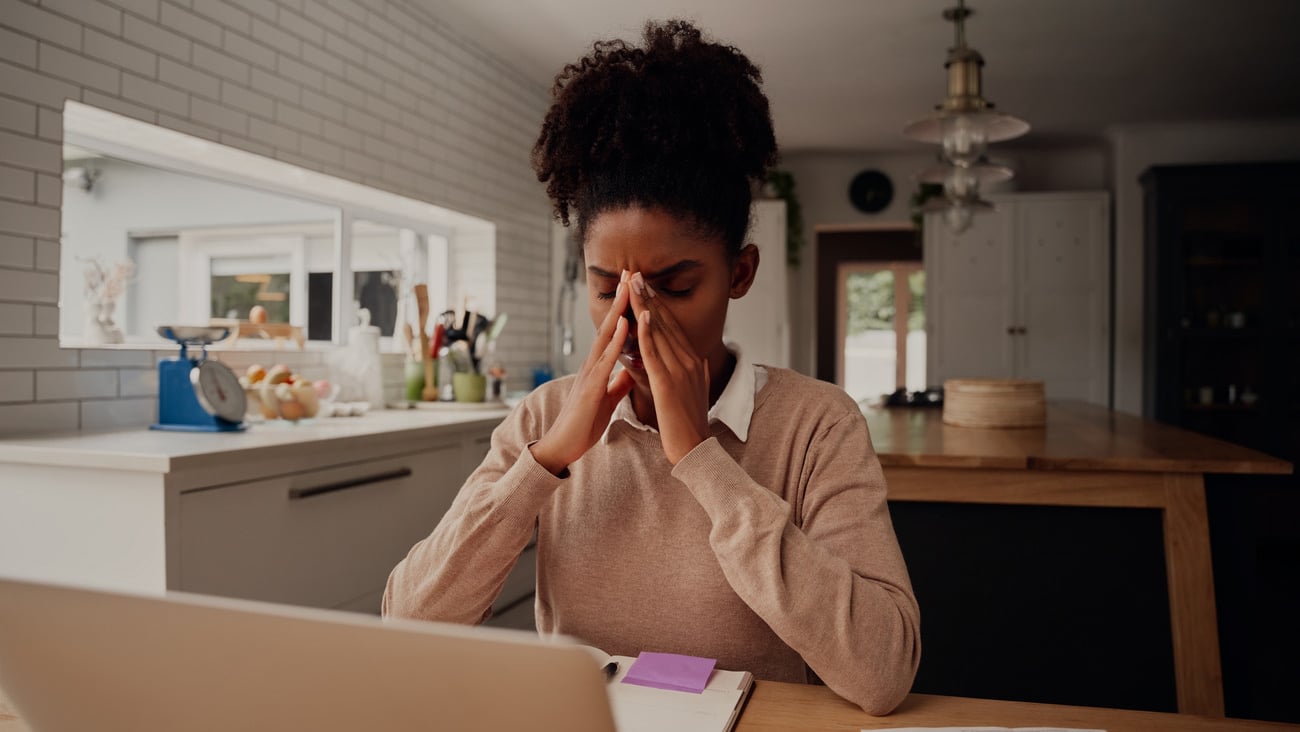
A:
[468,387]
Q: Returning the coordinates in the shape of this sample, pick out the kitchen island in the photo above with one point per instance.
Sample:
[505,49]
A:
[315,513]
[1087,456]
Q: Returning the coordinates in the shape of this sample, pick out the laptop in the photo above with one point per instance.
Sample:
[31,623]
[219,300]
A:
[79,659]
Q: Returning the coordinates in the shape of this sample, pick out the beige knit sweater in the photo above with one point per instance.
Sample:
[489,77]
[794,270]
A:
[775,555]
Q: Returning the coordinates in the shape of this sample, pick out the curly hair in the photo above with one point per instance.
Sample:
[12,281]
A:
[680,124]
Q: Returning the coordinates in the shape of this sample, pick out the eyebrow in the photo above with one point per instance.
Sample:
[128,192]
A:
[683,266]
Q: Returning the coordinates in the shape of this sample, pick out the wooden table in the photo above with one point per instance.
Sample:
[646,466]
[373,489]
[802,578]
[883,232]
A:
[778,707]
[1087,456]
[794,707]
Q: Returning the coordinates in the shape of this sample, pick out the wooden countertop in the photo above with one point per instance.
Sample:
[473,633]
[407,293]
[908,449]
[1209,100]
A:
[1078,436]
[778,707]
[795,707]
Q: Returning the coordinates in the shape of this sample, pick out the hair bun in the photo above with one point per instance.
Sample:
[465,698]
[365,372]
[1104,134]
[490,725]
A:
[679,106]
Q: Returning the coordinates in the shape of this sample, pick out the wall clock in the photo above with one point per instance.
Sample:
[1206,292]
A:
[871,191]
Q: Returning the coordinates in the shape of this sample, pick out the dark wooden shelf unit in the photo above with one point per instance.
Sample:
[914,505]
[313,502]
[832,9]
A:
[1222,309]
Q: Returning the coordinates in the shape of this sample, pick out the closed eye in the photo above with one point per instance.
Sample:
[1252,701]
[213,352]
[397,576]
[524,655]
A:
[660,290]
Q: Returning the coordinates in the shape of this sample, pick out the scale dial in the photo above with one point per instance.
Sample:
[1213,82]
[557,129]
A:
[219,391]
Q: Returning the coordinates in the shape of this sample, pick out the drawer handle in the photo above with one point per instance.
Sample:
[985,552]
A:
[343,485]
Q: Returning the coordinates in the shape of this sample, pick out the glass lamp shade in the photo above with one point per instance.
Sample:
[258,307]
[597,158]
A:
[958,217]
[958,214]
[965,181]
[985,125]
[963,139]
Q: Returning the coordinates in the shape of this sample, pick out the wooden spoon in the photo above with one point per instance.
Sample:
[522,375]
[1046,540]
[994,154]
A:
[430,392]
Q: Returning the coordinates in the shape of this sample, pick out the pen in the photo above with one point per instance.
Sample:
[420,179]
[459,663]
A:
[610,669]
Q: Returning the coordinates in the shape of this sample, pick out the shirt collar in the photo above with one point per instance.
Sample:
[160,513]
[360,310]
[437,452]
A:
[734,408]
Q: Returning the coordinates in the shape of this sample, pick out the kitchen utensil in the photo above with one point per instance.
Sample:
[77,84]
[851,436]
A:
[476,354]
[429,392]
[498,324]
[445,374]
[439,338]
[195,394]
[411,341]
[461,360]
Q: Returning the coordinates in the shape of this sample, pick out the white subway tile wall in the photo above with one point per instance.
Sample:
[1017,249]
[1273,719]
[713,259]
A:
[376,91]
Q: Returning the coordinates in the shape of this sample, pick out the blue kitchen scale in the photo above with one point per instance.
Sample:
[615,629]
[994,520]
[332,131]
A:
[195,394]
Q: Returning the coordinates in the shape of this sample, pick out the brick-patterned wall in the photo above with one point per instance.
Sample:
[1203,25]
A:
[376,91]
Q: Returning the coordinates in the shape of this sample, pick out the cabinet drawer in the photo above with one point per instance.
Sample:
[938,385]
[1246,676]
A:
[322,538]
[521,582]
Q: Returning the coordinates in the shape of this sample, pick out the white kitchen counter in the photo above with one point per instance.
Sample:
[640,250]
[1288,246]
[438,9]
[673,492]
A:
[157,451]
[315,513]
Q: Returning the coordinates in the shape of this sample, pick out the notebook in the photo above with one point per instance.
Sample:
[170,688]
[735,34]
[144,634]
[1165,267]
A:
[77,659]
[647,709]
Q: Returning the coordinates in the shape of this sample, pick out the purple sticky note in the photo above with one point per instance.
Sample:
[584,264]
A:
[670,671]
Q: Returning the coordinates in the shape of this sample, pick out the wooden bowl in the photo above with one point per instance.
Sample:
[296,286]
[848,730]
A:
[994,403]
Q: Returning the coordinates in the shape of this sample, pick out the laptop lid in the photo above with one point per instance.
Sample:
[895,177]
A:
[79,659]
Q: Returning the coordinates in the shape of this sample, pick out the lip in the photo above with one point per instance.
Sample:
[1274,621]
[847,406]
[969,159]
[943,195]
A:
[631,356]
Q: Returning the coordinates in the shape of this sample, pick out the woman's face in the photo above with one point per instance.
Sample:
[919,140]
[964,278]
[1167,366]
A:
[692,274]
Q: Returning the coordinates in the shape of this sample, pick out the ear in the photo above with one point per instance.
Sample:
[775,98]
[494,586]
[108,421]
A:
[743,270]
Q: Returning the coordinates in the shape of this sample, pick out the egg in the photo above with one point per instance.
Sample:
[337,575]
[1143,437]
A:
[278,374]
[257,315]
[305,394]
[292,411]
[267,402]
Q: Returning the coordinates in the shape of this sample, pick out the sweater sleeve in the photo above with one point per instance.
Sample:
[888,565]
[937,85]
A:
[832,586]
[457,572]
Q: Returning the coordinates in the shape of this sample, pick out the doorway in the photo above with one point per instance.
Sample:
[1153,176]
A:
[870,304]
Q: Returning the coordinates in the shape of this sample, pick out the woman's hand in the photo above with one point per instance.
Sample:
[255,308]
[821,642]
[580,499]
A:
[586,412]
[679,378]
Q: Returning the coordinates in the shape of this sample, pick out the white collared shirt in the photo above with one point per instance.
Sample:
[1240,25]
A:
[734,408]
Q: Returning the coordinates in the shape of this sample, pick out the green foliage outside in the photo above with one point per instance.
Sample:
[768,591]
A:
[871,303]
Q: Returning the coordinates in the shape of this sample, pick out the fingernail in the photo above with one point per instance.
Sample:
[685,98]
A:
[648,291]
[638,284]
[645,317]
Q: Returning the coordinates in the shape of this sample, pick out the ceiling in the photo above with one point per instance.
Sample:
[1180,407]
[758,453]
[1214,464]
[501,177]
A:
[848,74]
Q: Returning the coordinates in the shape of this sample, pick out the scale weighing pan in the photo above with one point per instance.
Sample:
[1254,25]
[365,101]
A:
[195,394]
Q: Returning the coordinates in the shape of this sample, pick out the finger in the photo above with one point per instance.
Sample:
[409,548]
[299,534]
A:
[664,350]
[618,388]
[668,326]
[595,371]
[608,324]
[609,356]
[652,352]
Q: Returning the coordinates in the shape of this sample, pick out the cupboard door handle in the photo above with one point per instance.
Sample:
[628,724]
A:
[1011,330]
[296,494]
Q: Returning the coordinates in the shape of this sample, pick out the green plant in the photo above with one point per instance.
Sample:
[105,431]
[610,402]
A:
[923,193]
[782,183]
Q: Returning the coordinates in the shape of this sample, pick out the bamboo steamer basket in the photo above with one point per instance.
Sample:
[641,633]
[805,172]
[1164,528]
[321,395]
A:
[994,403]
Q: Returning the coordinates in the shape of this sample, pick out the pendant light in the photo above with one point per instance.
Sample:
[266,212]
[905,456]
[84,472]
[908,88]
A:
[963,126]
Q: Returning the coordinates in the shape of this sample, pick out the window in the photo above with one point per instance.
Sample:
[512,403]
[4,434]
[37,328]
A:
[881,326]
[212,231]
[870,306]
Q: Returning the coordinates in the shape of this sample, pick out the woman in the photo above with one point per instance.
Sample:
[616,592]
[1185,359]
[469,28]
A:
[691,502]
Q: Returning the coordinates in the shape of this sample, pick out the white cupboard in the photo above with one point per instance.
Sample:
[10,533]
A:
[315,514]
[1024,293]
